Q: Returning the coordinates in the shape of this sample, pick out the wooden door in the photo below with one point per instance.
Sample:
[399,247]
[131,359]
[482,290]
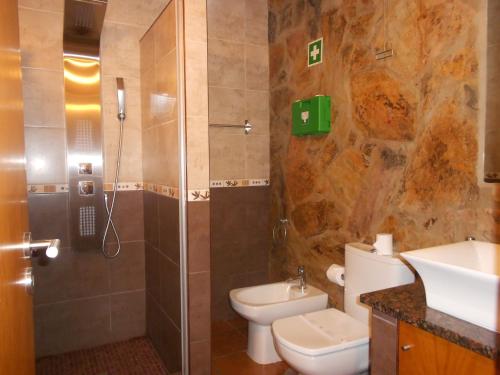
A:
[426,354]
[16,310]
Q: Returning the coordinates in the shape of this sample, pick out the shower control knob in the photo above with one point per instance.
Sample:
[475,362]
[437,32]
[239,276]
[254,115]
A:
[85,168]
[86,187]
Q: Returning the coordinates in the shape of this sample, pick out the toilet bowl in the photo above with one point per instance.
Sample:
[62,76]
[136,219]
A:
[263,304]
[332,342]
[326,342]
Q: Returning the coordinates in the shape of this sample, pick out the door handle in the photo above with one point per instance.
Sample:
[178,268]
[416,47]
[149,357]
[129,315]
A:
[33,249]
[29,281]
[406,347]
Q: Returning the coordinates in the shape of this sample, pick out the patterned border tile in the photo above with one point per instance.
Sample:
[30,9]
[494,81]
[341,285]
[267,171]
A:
[202,195]
[239,183]
[124,186]
[64,188]
[48,188]
[195,195]
[168,191]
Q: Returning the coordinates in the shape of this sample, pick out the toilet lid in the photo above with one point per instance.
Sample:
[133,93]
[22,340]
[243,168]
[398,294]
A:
[320,332]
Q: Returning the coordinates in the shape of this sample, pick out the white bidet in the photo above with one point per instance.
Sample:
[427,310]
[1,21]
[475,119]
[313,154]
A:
[263,304]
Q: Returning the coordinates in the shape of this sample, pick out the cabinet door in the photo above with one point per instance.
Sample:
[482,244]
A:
[421,353]
[384,344]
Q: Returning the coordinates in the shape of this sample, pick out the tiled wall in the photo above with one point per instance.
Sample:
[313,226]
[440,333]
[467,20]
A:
[159,62]
[238,78]
[240,242]
[402,153]
[492,131]
[41,25]
[82,299]
[163,309]
[161,166]
[159,101]
[198,205]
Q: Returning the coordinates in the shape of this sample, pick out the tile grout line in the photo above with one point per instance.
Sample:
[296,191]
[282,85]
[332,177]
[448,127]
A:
[91,297]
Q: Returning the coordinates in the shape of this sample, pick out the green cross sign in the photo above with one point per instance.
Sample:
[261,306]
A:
[315,52]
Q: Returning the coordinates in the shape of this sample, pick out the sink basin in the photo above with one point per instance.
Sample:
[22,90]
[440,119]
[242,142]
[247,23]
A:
[461,279]
[266,303]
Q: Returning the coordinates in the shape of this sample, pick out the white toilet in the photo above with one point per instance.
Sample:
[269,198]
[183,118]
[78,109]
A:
[331,342]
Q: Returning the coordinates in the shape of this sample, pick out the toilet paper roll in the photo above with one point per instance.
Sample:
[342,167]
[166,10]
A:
[335,274]
[383,244]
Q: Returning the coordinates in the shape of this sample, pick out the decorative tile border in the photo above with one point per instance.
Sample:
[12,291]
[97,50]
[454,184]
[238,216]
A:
[239,183]
[124,186]
[168,191]
[195,195]
[48,188]
[198,195]
[64,188]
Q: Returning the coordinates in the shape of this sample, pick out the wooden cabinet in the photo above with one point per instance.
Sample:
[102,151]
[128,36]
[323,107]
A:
[384,344]
[421,353]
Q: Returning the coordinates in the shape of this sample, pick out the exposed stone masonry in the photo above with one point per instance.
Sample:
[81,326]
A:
[402,153]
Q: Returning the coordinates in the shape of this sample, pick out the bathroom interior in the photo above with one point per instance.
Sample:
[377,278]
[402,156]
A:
[249,187]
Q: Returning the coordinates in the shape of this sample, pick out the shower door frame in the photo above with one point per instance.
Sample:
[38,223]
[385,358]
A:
[181,113]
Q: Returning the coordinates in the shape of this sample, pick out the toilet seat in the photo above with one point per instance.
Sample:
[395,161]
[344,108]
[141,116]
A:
[321,332]
[326,342]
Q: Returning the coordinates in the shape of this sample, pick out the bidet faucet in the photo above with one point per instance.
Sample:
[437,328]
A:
[301,278]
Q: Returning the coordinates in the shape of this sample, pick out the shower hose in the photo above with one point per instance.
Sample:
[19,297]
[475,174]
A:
[109,210]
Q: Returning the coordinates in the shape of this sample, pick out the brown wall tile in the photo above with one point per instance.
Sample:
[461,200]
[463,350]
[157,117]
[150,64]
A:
[153,321]
[171,341]
[199,237]
[72,325]
[240,242]
[128,216]
[48,215]
[151,218]
[73,274]
[170,290]
[153,272]
[199,306]
[128,315]
[199,360]
[127,270]
[168,213]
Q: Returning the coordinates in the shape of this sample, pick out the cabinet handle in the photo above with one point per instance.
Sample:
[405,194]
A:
[406,347]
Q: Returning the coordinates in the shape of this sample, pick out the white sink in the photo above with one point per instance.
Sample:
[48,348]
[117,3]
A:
[462,280]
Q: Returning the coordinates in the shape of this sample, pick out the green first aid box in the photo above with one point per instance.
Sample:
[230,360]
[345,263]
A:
[311,116]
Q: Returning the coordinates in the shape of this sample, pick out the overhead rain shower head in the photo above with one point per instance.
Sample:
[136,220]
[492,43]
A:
[83,20]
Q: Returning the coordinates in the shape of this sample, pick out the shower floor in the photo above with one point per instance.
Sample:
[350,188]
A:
[131,357]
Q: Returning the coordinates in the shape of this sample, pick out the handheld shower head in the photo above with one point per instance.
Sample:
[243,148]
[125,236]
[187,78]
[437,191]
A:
[120,91]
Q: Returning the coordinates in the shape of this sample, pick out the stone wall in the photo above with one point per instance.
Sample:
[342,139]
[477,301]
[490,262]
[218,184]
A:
[402,153]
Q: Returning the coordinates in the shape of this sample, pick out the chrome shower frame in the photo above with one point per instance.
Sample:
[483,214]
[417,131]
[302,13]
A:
[183,262]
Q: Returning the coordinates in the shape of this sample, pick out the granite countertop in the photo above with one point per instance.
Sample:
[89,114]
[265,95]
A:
[407,303]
